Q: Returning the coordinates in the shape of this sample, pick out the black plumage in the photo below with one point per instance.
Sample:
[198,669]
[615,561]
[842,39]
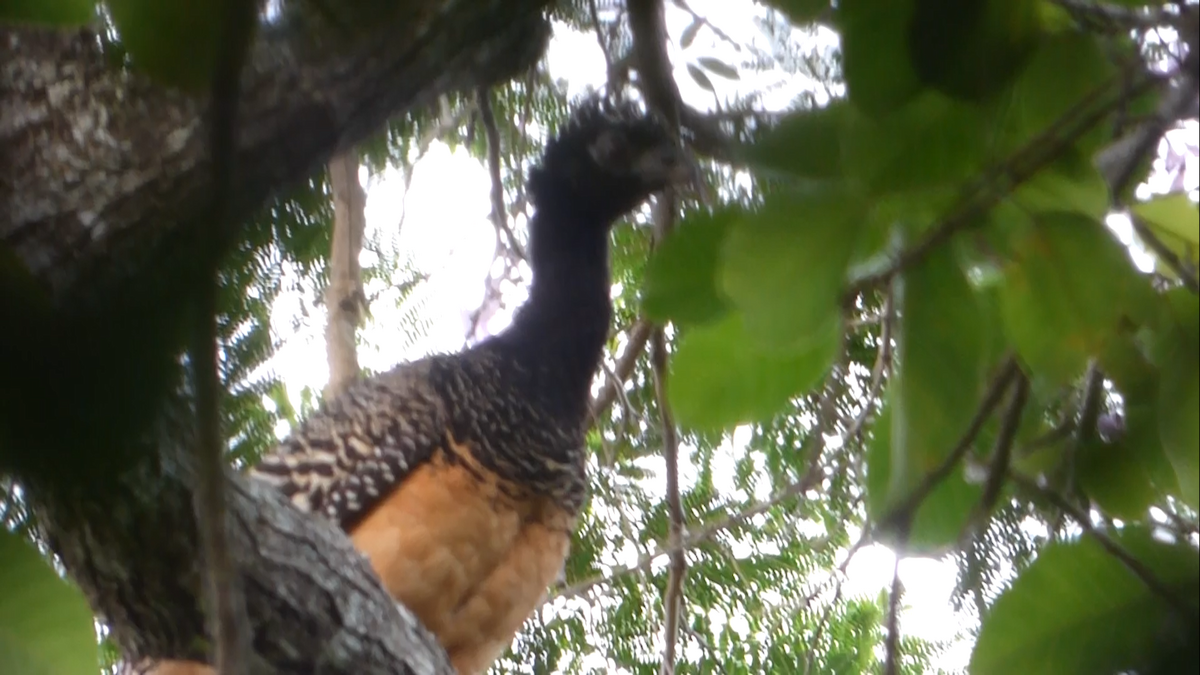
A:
[519,398]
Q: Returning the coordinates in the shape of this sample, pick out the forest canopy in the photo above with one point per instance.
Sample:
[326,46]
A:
[937,293]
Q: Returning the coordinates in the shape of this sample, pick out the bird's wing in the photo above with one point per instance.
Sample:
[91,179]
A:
[345,458]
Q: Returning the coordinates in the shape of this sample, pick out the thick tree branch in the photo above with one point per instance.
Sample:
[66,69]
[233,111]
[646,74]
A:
[314,603]
[100,162]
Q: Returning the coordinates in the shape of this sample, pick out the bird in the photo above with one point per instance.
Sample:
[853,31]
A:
[461,476]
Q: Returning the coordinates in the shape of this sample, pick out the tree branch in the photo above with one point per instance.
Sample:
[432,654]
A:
[639,336]
[999,182]
[308,92]
[1007,372]
[1145,574]
[314,603]
[499,210]
[673,597]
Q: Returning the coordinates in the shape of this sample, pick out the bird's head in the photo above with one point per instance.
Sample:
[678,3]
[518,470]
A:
[606,161]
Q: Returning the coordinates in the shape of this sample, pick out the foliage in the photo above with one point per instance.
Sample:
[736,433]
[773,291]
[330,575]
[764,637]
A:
[955,177]
[905,316]
[45,624]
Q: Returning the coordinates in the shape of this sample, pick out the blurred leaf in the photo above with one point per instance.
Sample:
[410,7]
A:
[1071,183]
[173,42]
[1174,219]
[971,49]
[805,144]
[718,67]
[1179,395]
[928,141]
[784,265]
[48,12]
[875,55]
[1065,291]
[680,279]
[1070,611]
[720,376]
[45,623]
[1119,476]
[1174,213]
[1062,71]
[939,333]
[700,78]
[689,34]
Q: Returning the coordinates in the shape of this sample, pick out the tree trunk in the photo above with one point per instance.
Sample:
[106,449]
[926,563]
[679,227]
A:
[102,177]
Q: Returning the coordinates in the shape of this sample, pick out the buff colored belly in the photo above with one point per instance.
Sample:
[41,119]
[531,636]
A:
[471,562]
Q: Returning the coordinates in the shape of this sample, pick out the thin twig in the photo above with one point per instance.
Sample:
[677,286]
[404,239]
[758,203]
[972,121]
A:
[1165,254]
[883,362]
[840,577]
[999,182]
[691,541]
[892,665]
[1002,452]
[722,35]
[1085,432]
[499,210]
[1118,163]
[903,514]
[1057,434]
[1172,598]
[639,336]
[1183,527]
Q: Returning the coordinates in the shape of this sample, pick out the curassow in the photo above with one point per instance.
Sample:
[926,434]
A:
[461,476]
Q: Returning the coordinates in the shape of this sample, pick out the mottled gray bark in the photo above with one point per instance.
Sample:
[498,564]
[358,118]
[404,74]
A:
[103,175]
[98,163]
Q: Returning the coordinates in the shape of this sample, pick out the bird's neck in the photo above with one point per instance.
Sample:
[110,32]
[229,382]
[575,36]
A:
[558,335]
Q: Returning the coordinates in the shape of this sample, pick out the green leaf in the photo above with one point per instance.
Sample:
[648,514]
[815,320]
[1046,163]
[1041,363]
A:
[1062,71]
[48,12]
[1179,395]
[720,377]
[940,333]
[929,141]
[971,49]
[173,42]
[1174,220]
[943,511]
[805,144]
[1065,292]
[1175,213]
[875,55]
[45,623]
[1078,609]
[680,283]
[784,265]
[1071,183]
[1119,476]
